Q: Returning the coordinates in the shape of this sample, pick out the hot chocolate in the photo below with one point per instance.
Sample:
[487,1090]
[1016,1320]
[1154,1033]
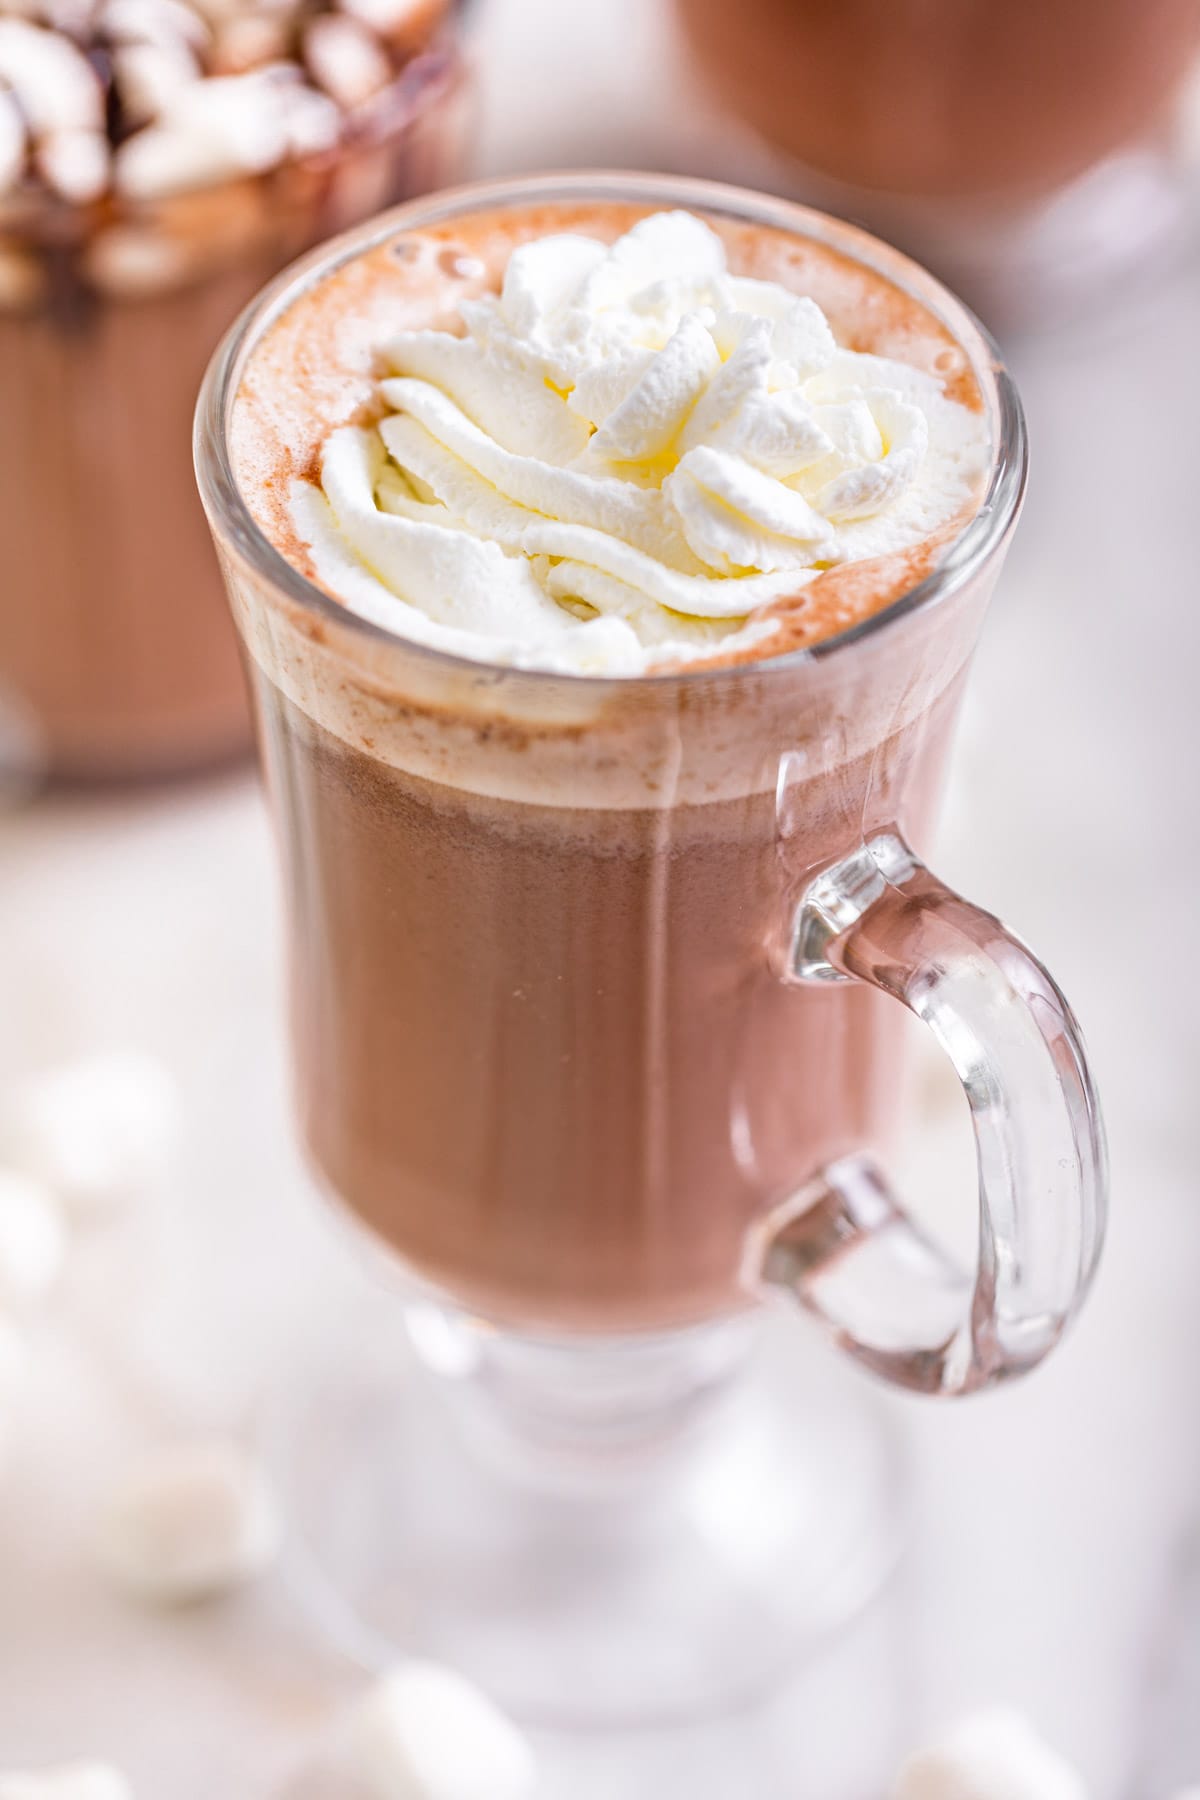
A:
[538,914]
[160,160]
[926,99]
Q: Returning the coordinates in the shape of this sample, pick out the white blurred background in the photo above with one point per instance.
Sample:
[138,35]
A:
[1051,1522]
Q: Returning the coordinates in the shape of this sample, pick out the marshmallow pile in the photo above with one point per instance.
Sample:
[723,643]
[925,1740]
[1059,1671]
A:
[147,99]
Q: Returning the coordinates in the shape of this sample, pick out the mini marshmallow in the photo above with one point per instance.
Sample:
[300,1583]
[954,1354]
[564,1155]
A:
[75,164]
[388,17]
[313,122]
[345,59]
[210,132]
[425,1733]
[163,22]
[33,1240]
[96,1132]
[190,1522]
[248,40]
[994,1755]
[53,81]
[149,76]
[71,1781]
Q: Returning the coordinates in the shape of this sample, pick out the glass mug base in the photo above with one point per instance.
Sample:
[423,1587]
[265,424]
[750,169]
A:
[614,1532]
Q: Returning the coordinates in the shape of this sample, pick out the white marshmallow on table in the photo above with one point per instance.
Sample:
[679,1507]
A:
[97,1132]
[423,1732]
[70,1781]
[33,1239]
[993,1755]
[189,1522]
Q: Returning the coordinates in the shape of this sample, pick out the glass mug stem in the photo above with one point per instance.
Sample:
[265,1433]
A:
[881,918]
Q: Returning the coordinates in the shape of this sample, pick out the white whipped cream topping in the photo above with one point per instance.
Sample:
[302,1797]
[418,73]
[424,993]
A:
[628,453]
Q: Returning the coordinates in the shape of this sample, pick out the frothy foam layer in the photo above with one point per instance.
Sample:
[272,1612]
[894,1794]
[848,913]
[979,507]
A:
[463,724]
[627,459]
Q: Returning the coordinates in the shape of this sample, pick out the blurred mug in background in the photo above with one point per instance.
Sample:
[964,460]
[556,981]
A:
[1024,149]
[159,160]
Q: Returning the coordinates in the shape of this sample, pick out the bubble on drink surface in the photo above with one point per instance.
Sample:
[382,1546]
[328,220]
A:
[460,265]
[950,361]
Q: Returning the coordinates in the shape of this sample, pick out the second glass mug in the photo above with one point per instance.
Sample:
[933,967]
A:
[595,989]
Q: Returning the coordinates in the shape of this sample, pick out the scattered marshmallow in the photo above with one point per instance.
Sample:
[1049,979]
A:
[33,1240]
[75,164]
[993,1755]
[190,1522]
[71,1781]
[55,85]
[425,1733]
[96,1132]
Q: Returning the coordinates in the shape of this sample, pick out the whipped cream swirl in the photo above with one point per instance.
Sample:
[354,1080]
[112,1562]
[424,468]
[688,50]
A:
[627,456]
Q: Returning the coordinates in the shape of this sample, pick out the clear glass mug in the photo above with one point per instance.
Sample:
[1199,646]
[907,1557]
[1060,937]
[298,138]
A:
[595,993]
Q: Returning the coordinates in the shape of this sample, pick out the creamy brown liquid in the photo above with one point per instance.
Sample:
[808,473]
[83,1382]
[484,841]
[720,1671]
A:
[113,636]
[115,644]
[947,97]
[542,1046]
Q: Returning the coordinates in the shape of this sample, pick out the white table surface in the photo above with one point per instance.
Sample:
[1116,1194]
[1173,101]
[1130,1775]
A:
[1049,1519]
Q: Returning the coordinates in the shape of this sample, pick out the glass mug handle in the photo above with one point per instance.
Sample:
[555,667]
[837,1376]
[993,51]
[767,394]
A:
[844,1247]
